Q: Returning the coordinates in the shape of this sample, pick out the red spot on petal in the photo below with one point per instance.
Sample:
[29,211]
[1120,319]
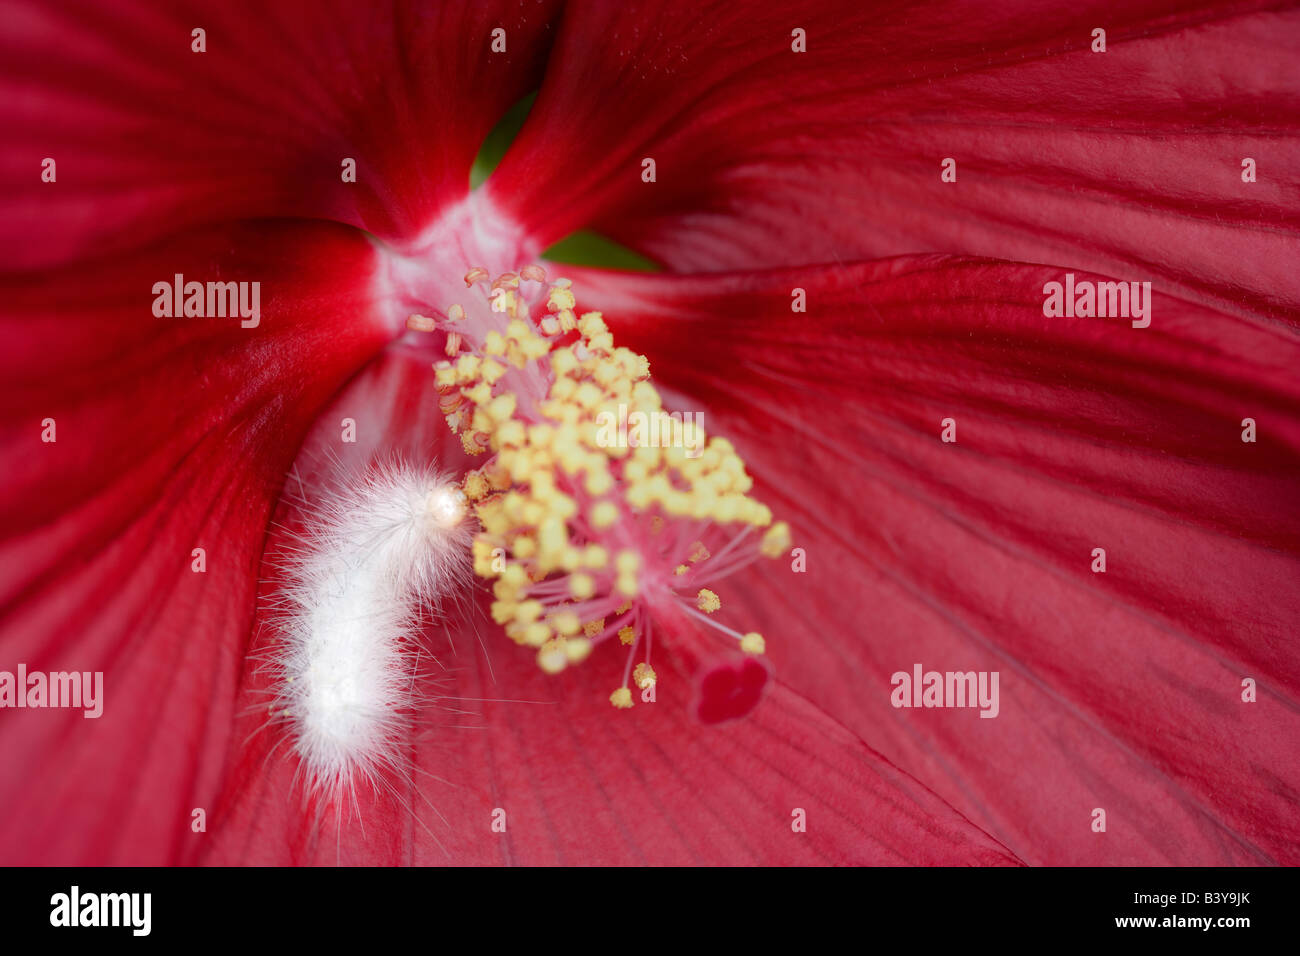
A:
[729,688]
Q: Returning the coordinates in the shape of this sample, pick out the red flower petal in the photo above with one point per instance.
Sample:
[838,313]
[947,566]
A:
[1120,690]
[1126,162]
[172,434]
[578,781]
[149,136]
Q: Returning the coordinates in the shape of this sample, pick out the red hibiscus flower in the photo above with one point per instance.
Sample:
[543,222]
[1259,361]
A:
[859,214]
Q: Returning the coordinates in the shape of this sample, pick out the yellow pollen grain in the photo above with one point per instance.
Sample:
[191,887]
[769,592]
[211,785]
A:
[577,649]
[528,611]
[535,635]
[626,635]
[753,643]
[603,515]
[776,540]
[621,698]
[643,676]
[553,657]
[566,623]
[707,601]
[475,486]
[592,628]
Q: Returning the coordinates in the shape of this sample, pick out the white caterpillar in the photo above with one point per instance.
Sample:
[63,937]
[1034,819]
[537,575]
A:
[376,555]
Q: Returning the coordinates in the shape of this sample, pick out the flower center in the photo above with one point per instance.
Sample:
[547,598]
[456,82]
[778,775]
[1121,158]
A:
[605,519]
[602,515]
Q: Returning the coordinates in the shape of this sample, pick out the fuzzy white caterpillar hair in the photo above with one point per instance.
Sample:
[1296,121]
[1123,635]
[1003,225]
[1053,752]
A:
[378,553]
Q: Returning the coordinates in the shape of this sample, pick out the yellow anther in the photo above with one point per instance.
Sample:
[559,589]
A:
[776,540]
[534,347]
[591,323]
[420,323]
[563,390]
[621,698]
[593,628]
[626,635]
[588,395]
[643,675]
[598,481]
[552,539]
[509,435]
[481,548]
[477,274]
[501,409]
[503,611]
[475,486]
[528,611]
[563,362]
[560,298]
[707,601]
[624,607]
[680,570]
[553,656]
[455,313]
[753,643]
[535,635]
[577,650]
[581,586]
[595,557]
[566,623]
[603,515]
[699,553]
